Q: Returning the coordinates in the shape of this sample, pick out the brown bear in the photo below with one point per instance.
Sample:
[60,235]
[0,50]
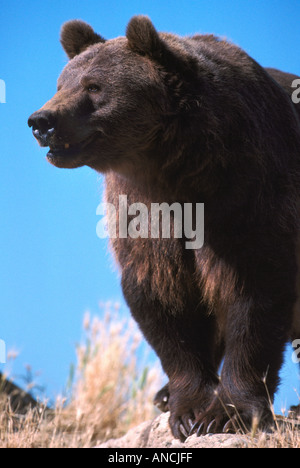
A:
[193,120]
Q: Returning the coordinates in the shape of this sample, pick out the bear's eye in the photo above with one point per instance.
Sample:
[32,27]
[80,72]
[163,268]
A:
[93,88]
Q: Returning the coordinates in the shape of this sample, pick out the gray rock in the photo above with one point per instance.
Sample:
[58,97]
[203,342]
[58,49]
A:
[157,434]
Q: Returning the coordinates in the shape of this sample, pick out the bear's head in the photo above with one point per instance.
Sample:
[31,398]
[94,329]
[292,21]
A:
[155,106]
[112,108]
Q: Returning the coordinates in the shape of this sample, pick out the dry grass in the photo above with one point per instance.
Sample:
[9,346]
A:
[286,435]
[110,393]
[285,432]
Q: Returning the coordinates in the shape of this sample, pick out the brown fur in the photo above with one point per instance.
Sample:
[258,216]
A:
[193,119]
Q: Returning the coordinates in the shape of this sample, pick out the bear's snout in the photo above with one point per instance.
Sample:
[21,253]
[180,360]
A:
[43,124]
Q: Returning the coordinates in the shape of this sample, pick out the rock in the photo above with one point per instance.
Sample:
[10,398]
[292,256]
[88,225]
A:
[157,434]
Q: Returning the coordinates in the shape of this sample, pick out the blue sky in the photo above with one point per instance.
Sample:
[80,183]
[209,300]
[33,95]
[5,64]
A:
[52,265]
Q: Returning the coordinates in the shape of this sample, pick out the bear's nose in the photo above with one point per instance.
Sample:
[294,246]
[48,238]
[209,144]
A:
[43,126]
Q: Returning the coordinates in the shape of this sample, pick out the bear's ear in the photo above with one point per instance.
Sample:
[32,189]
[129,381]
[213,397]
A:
[76,36]
[143,37]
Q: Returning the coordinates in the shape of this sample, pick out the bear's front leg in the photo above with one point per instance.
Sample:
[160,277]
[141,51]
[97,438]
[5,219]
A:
[184,340]
[256,334]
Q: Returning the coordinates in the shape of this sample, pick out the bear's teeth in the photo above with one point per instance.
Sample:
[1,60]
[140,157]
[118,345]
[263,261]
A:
[67,146]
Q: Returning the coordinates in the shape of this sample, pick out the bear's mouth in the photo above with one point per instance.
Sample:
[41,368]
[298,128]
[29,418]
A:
[67,154]
[63,150]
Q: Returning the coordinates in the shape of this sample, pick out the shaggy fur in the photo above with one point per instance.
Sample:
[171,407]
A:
[193,119]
